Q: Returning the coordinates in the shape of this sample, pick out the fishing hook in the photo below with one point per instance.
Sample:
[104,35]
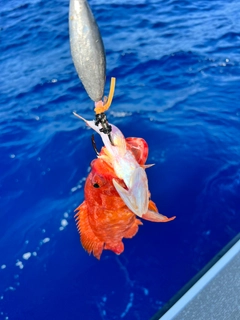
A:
[94,145]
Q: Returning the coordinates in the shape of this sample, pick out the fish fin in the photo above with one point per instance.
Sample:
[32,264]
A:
[136,197]
[152,206]
[89,240]
[146,166]
[133,230]
[116,248]
[124,194]
[156,217]
[153,215]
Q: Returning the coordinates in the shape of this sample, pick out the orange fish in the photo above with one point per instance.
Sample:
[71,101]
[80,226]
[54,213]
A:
[104,219]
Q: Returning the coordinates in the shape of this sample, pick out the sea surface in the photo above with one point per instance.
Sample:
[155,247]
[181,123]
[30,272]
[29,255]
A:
[177,65]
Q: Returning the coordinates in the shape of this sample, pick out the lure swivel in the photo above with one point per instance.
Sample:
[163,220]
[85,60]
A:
[101,107]
[101,118]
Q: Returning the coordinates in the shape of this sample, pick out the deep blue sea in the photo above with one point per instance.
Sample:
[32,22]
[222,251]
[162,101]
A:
[177,65]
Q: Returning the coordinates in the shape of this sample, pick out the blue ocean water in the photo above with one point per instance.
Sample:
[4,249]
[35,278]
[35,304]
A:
[177,65]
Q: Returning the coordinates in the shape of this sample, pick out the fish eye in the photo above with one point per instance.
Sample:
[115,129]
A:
[98,181]
[96,185]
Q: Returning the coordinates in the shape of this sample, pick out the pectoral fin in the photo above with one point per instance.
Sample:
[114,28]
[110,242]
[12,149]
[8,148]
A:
[136,197]
[153,214]
[156,217]
[126,196]
[146,166]
[90,242]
